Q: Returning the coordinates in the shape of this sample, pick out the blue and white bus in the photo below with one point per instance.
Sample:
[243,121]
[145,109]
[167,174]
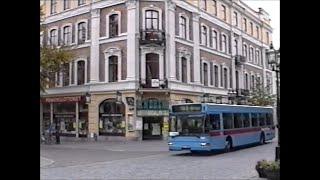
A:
[205,127]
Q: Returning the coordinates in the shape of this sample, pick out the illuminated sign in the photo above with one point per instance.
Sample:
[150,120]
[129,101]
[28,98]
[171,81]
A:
[187,108]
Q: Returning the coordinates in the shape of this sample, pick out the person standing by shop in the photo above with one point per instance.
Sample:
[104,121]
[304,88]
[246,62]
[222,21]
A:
[57,132]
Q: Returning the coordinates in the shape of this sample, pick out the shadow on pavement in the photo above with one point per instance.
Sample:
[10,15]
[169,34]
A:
[217,152]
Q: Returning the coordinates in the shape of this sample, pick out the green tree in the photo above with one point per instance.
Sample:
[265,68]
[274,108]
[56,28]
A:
[51,59]
[260,96]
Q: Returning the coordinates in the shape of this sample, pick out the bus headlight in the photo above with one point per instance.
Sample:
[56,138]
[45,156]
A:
[170,143]
[204,144]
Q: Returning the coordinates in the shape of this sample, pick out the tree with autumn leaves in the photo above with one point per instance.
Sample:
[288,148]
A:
[261,96]
[52,58]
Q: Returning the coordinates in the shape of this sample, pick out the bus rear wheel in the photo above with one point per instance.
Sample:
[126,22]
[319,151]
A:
[228,146]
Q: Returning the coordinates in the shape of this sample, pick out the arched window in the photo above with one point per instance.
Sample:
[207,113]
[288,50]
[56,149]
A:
[246,81]
[80,72]
[82,35]
[252,82]
[214,39]
[66,74]
[113,69]
[54,37]
[204,35]
[67,35]
[245,51]
[224,43]
[236,47]
[112,118]
[113,25]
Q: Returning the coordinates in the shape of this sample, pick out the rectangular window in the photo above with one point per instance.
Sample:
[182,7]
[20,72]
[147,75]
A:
[53,6]
[227,120]
[113,25]
[251,28]
[184,70]
[183,27]
[81,2]
[211,74]
[257,32]
[205,74]
[66,4]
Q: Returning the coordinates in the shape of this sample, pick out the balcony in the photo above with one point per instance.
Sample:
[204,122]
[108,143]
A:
[240,60]
[154,83]
[152,36]
[243,92]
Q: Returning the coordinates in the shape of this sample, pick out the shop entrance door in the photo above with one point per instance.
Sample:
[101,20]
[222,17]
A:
[152,128]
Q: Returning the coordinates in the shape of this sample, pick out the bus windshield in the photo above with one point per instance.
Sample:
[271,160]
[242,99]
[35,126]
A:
[188,125]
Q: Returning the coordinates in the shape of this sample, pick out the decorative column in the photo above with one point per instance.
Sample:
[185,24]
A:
[94,48]
[196,47]
[171,50]
[132,49]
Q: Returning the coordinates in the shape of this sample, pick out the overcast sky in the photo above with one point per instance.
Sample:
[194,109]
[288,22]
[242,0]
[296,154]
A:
[273,8]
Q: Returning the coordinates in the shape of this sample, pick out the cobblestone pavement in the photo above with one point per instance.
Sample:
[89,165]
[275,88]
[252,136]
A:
[149,160]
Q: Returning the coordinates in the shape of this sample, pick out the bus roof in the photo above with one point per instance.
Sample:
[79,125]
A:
[212,107]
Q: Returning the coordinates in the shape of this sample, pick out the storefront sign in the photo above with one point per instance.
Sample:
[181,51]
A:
[153,112]
[130,101]
[71,115]
[62,99]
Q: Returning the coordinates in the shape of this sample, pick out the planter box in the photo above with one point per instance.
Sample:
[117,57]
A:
[273,174]
[261,172]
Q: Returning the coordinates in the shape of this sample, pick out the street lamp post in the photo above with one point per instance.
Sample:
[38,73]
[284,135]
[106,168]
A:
[273,57]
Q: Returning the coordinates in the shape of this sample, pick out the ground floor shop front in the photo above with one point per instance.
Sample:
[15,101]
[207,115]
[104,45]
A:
[110,116]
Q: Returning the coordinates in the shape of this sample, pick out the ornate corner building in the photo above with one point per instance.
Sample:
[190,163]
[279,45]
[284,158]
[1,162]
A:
[135,57]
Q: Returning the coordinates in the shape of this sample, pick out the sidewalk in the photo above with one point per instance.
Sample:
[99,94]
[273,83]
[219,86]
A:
[45,162]
[151,145]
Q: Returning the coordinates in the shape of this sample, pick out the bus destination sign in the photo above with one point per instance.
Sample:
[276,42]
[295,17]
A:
[187,108]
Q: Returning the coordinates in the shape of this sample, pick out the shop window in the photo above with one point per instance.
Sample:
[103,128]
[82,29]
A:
[112,118]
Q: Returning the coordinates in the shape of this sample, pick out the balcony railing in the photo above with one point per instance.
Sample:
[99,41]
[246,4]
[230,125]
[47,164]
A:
[152,36]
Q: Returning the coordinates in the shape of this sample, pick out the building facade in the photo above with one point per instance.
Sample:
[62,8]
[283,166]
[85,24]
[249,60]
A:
[135,58]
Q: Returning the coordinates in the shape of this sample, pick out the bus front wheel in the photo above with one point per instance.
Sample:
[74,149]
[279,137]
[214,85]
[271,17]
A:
[228,144]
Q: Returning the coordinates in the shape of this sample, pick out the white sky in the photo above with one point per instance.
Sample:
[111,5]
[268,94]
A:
[273,8]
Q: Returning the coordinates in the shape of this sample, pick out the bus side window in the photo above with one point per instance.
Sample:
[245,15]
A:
[207,125]
[227,120]
[269,119]
[254,119]
[262,119]
[246,120]
[215,121]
